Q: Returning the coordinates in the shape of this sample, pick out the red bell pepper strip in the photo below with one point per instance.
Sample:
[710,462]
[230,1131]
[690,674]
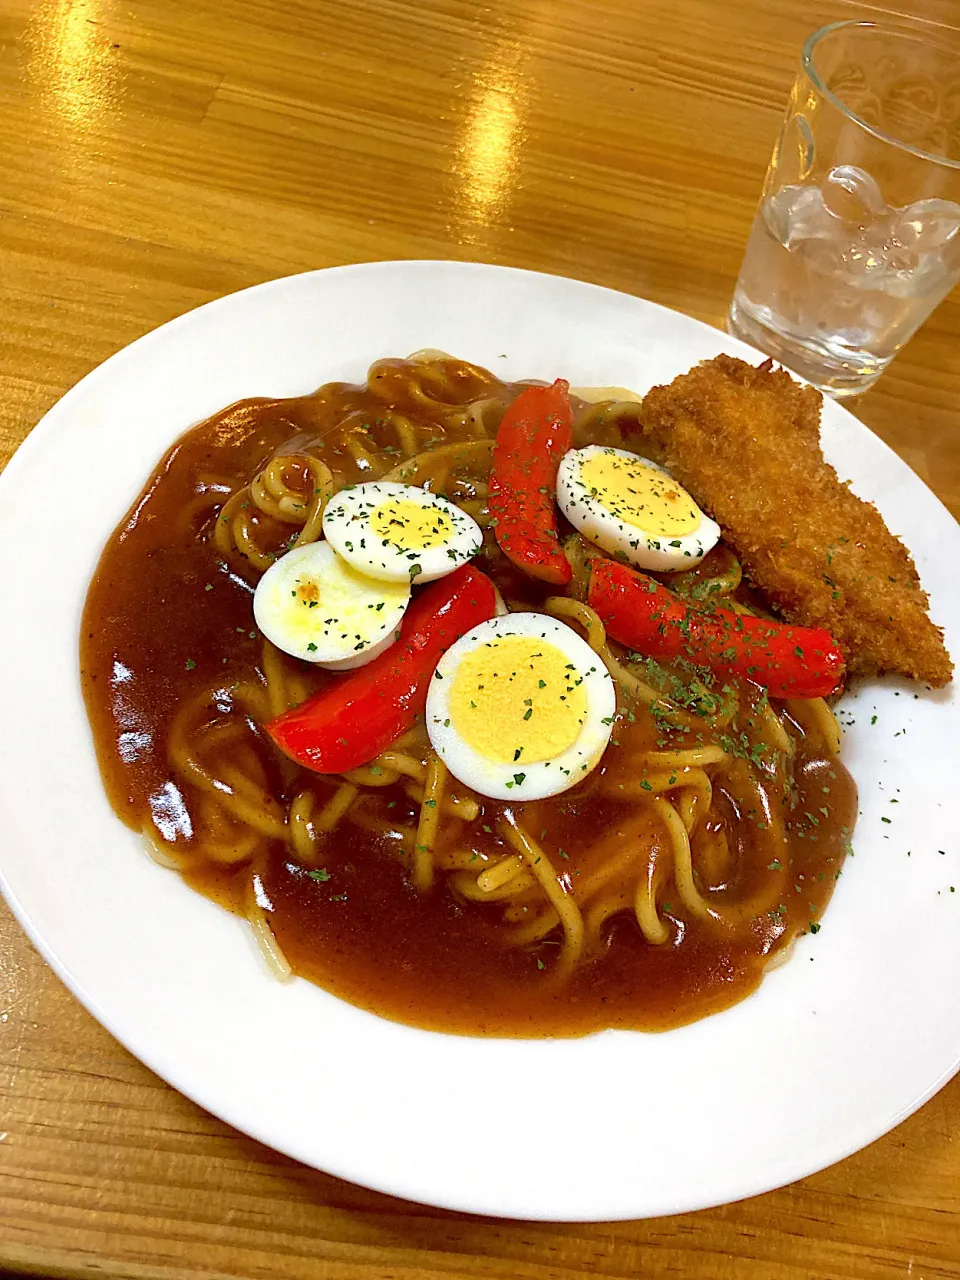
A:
[536,431]
[350,722]
[788,661]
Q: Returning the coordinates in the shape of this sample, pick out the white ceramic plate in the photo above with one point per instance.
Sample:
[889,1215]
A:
[841,1043]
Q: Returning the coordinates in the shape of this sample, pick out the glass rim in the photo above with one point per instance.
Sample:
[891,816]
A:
[806,58]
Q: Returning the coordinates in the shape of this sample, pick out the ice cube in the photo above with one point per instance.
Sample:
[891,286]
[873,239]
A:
[853,196]
[776,212]
[927,225]
[821,256]
[796,214]
[903,261]
[874,256]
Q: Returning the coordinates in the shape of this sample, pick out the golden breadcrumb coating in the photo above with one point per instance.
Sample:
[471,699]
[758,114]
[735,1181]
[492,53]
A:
[745,441]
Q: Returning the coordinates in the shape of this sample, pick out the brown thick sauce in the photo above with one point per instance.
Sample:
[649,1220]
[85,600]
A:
[165,616]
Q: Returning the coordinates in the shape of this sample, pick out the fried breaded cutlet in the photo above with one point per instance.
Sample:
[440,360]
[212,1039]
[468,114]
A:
[745,441]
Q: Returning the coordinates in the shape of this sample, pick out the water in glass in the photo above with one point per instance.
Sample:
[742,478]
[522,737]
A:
[835,272]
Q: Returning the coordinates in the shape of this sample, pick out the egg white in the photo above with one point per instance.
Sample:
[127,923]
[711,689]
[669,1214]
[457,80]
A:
[589,514]
[355,618]
[521,781]
[347,527]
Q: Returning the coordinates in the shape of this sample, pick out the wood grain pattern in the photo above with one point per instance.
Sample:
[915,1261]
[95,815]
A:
[157,156]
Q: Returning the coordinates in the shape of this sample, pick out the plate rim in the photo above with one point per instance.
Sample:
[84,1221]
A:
[35,442]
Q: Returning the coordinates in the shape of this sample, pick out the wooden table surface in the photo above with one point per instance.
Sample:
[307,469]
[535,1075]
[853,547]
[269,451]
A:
[159,154]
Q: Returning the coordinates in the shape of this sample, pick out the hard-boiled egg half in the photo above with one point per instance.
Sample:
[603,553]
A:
[520,708]
[399,532]
[633,509]
[312,604]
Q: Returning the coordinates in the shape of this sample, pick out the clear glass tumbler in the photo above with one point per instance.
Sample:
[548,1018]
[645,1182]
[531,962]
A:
[857,234]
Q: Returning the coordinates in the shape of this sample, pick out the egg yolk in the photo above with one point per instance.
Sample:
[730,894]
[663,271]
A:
[518,700]
[342,596]
[639,496]
[308,592]
[403,523]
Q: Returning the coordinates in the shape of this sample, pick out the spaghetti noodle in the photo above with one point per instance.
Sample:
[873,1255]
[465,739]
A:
[656,891]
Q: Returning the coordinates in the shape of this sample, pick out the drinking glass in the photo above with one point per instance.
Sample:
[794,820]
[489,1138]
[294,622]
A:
[857,234]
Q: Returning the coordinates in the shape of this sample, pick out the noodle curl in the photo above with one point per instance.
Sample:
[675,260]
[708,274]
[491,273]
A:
[689,833]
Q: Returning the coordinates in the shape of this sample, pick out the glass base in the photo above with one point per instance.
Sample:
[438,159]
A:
[841,374]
